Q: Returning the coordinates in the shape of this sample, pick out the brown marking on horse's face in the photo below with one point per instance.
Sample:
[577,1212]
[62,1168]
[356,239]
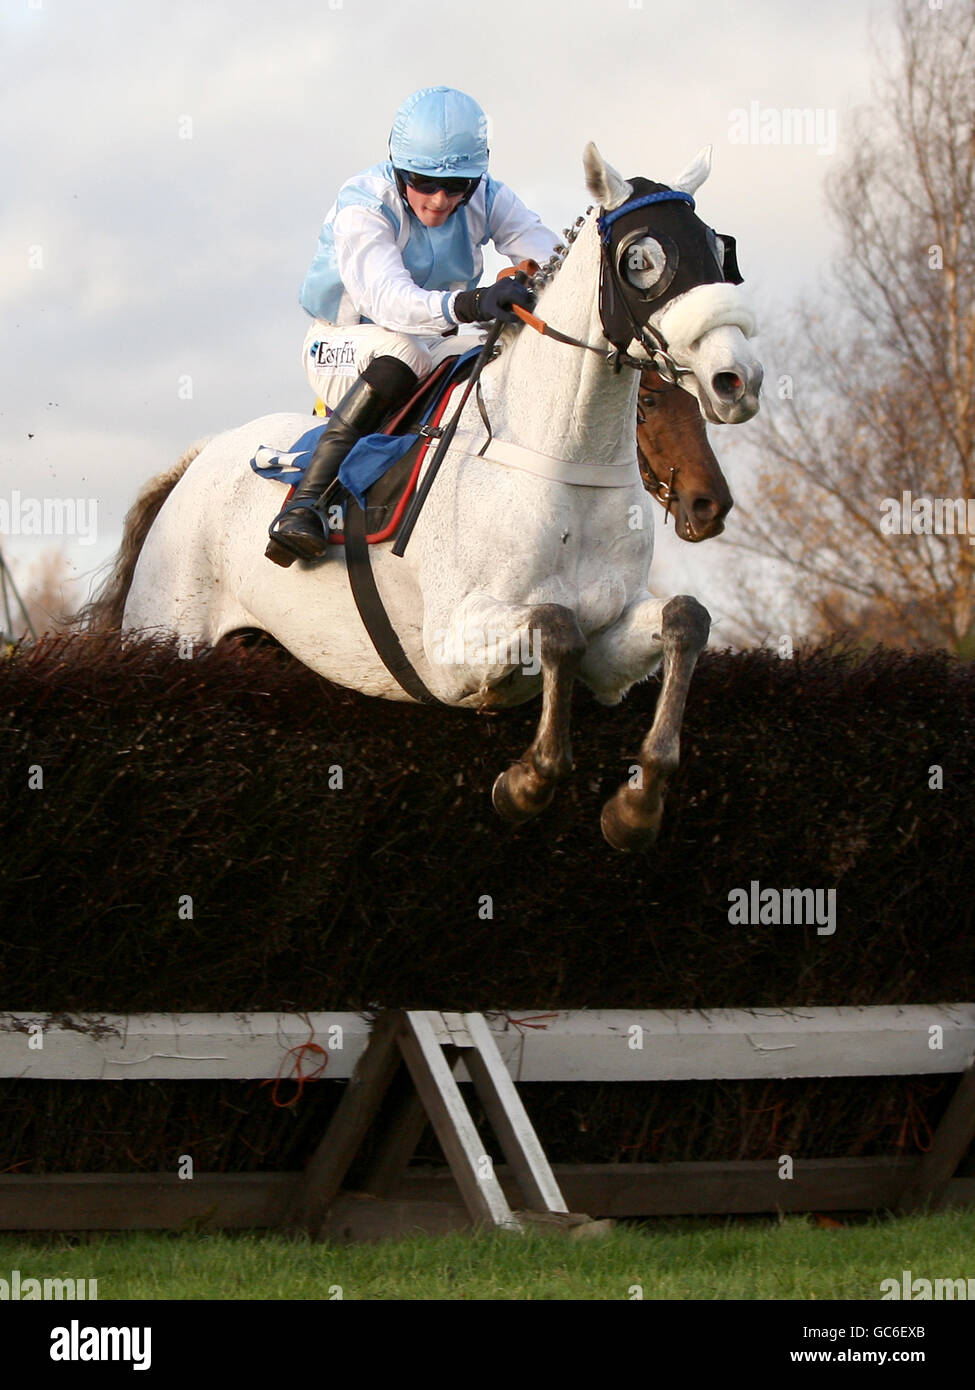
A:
[672,434]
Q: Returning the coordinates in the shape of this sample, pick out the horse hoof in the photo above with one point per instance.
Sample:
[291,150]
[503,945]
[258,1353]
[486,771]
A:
[622,834]
[515,810]
[279,555]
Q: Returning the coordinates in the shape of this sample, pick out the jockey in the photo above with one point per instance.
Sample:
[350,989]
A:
[398,261]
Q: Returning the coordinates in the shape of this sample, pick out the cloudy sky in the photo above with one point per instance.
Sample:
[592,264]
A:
[167,164]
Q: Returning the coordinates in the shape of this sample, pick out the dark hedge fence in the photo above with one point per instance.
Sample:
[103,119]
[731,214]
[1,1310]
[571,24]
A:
[214,779]
[159,779]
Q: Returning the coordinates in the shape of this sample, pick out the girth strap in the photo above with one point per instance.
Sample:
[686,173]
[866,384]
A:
[374,617]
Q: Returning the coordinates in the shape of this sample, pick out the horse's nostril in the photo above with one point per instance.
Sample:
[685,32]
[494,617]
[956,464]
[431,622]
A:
[728,385]
[705,509]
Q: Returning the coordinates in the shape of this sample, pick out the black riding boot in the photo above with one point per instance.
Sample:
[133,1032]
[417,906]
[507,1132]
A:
[299,531]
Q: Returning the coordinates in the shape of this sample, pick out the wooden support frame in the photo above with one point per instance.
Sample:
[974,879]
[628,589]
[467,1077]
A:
[572,1046]
[430,1043]
[266,1201]
[356,1111]
[928,1186]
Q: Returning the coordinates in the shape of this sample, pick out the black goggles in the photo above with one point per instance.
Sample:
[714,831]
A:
[429,184]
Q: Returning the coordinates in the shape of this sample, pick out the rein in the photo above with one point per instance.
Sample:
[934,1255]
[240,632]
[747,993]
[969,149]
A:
[650,338]
[615,357]
[446,437]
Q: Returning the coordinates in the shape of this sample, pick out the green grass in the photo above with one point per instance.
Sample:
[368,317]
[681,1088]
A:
[791,1259]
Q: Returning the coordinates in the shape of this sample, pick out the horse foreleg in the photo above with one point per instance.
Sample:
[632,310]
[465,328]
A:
[529,784]
[631,818]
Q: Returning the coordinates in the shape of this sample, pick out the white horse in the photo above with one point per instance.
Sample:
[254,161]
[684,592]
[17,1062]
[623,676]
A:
[540,548]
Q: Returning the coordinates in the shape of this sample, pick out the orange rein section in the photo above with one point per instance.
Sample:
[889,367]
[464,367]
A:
[338,538]
[539,325]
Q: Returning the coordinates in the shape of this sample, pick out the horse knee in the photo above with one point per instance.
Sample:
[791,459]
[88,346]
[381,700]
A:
[559,635]
[685,623]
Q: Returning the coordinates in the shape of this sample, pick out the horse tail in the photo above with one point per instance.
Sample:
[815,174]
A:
[103,612]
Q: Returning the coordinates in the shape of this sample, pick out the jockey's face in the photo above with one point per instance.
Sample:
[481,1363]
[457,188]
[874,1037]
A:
[432,209]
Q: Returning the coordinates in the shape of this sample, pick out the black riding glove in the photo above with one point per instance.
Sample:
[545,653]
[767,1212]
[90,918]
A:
[493,301]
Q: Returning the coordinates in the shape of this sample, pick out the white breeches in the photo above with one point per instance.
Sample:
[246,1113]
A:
[334,356]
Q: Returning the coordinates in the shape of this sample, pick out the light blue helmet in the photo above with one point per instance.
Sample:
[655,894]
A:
[441,131]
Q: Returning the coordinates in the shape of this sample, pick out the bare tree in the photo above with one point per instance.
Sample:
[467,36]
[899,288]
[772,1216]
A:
[880,402]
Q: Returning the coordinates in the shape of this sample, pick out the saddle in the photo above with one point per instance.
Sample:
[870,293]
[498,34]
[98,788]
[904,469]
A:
[415,427]
[381,470]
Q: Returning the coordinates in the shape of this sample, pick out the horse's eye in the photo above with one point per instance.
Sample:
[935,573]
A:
[644,264]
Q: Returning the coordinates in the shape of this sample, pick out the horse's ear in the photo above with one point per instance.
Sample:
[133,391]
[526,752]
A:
[690,180]
[607,187]
[696,172]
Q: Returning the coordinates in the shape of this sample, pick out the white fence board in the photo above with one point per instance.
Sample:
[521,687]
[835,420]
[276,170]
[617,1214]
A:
[680,1045]
[127,1047]
[576,1045]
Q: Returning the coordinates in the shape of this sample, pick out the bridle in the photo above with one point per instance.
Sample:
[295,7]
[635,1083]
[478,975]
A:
[615,296]
[613,293]
[650,338]
[664,492]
